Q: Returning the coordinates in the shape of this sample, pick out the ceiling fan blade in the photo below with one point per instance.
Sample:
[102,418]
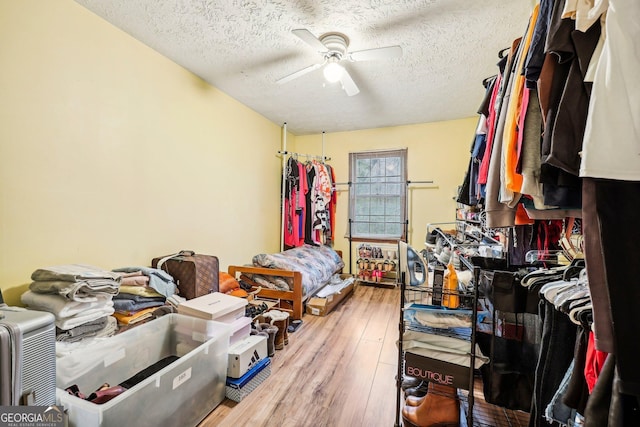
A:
[348,84]
[310,39]
[299,73]
[376,53]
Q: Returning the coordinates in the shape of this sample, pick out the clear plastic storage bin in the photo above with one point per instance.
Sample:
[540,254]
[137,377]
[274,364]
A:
[181,394]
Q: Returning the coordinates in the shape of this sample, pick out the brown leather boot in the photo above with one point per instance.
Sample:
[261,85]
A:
[279,340]
[414,400]
[286,331]
[279,319]
[271,331]
[440,407]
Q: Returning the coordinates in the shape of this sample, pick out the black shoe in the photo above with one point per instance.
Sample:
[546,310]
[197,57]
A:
[430,240]
[244,285]
[408,382]
[418,391]
[294,325]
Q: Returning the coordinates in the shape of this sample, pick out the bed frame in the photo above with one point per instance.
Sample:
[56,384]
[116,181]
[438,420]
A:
[293,298]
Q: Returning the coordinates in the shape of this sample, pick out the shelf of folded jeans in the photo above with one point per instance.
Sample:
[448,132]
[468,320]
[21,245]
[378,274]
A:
[440,320]
[460,333]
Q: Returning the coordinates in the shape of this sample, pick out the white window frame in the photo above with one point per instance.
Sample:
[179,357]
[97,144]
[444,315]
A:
[381,182]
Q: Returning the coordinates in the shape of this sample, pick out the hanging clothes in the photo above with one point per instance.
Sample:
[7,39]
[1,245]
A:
[309,203]
[332,205]
[611,146]
[308,225]
[500,214]
[301,203]
[321,197]
[292,188]
[511,181]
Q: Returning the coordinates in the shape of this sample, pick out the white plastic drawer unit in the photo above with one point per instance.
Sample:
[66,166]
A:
[180,394]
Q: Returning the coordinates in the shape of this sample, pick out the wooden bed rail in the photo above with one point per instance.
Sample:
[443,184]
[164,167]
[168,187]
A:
[294,297]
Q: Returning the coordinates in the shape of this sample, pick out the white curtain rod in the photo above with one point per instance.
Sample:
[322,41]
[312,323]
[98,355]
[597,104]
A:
[368,183]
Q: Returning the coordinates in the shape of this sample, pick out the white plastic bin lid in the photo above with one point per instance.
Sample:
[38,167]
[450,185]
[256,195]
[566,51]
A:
[213,305]
[240,323]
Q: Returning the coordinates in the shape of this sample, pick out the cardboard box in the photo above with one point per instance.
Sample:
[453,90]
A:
[214,306]
[238,389]
[246,354]
[240,329]
[322,306]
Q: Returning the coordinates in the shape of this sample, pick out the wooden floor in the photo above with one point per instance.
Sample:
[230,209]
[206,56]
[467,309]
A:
[339,370]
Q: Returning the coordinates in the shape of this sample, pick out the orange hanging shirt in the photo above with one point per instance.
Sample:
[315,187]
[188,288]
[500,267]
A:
[512,179]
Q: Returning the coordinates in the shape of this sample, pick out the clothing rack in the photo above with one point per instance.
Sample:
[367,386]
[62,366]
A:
[309,156]
[284,153]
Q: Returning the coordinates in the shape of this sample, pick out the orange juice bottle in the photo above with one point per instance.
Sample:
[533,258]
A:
[450,297]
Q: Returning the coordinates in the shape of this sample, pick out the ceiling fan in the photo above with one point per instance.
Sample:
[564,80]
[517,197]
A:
[333,47]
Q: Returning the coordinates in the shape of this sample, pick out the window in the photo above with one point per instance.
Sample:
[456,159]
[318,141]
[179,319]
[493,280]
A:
[378,194]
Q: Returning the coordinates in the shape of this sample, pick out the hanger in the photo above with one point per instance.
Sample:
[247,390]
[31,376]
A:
[501,52]
[560,292]
[574,269]
[575,292]
[486,80]
[582,315]
[549,290]
[552,274]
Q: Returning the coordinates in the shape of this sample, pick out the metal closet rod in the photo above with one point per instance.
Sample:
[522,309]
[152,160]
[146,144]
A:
[313,156]
[390,182]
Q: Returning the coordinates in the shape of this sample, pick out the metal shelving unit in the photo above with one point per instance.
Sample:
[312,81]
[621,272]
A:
[457,375]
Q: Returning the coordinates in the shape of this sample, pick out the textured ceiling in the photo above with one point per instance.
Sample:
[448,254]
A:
[243,46]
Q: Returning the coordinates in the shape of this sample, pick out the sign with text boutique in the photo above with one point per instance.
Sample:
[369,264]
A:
[436,371]
[32,416]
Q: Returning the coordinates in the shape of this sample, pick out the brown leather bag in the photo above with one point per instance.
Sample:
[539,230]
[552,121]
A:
[195,274]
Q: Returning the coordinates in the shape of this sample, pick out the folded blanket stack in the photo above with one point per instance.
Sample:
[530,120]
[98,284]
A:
[100,328]
[129,303]
[147,278]
[142,290]
[79,296]
[76,282]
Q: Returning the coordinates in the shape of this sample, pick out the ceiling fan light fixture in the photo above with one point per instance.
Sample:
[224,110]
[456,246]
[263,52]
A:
[333,47]
[333,72]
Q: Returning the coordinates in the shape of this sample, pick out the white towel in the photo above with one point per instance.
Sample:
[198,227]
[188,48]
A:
[73,273]
[84,317]
[66,348]
[63,307]
[82,291]
[69,314]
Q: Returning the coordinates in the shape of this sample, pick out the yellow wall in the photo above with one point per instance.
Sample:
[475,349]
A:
[111,154]
[437,152]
